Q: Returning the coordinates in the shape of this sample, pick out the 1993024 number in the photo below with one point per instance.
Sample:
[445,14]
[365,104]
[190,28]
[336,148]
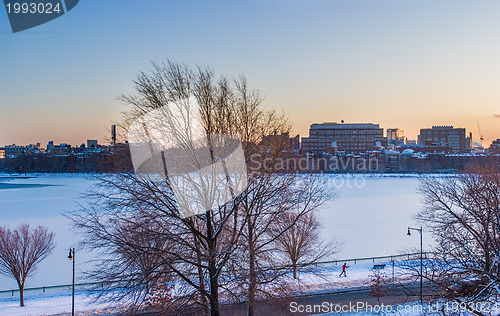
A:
[31,8]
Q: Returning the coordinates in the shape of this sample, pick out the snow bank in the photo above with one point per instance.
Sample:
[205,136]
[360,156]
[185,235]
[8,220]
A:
[50,304]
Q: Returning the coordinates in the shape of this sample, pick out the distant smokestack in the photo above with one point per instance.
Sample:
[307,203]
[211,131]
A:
[113,134]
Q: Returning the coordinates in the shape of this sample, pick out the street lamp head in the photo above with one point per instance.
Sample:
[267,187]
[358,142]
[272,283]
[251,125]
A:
[70,256]
[409,233]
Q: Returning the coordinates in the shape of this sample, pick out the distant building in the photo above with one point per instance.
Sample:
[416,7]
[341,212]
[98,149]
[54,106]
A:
[288,143]
[468,143]
[495,146]
[411,142]
[14,150]
[50,145]
[61,149]
[351,138]
[113,134]
[2,153]
[395,137]
[445,136]
[92,143]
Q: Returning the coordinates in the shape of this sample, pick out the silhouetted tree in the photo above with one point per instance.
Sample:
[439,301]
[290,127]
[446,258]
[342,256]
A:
[134,219]
[21,250]
[463,213]
[298,235]
[378,285]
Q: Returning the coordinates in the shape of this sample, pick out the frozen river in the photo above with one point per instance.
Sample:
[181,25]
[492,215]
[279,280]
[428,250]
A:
[370,215]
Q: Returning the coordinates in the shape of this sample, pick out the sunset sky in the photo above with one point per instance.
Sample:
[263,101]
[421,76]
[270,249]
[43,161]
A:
[406,64]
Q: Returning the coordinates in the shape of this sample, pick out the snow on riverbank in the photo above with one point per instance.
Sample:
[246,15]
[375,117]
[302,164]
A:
[327,280]
[324,280]
[52,304]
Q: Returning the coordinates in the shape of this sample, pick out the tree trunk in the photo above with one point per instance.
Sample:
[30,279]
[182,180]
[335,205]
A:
[214,285]
[204,301]
[212,267]
[214,298]
[21,293]
[252,281]
[294,268]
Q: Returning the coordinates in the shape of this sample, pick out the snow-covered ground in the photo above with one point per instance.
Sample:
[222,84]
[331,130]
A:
[370,216]
[53,304]
[324,280]
[327,280]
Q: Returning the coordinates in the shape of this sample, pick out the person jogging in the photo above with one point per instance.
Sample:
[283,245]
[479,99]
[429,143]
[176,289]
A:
[344,267]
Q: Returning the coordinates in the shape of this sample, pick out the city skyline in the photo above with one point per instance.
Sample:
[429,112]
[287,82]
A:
[408,65]
[107,140]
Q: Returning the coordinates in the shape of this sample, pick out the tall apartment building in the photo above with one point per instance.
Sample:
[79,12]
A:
[396,137]
[449,136]
[351,138]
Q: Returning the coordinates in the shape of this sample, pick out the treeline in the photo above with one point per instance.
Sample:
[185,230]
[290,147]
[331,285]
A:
[116,159]
[381,163]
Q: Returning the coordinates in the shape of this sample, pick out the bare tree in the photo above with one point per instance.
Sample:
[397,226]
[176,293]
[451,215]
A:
[135,221]
[21,250]
[378,285]
[302,243]
[463,212]
[200,246]
[280,203]
[142,240]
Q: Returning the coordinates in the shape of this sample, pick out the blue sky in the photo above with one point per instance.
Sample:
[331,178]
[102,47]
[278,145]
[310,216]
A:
[407,64]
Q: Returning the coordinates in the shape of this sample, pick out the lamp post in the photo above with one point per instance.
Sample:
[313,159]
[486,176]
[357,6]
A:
[71,256]
[421,258]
